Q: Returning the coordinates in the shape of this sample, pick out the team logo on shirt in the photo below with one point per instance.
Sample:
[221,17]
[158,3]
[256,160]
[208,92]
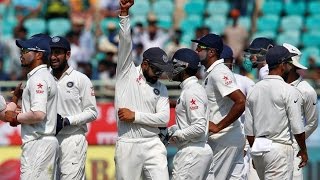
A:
[206,82]
[39,89]
[227,80]
[193,104]
[156,91]
[70,84]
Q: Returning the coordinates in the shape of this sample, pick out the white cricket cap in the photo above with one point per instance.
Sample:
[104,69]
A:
[295,59]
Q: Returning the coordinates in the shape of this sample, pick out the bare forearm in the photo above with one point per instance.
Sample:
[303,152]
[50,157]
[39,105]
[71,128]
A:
[235,112]
[301,141]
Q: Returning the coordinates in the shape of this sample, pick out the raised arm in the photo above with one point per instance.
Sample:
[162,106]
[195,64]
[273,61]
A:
[125,42]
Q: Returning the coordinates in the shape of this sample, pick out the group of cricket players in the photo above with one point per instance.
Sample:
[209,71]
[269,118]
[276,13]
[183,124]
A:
[227,126]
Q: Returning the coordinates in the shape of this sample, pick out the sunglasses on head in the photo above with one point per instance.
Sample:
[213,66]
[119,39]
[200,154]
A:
[202,46]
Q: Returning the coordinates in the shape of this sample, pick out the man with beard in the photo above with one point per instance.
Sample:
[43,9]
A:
[309,102]
[76,107]
[142,106]
[194,156]
[256,56]
[273,114]
[226,104]
[38,118]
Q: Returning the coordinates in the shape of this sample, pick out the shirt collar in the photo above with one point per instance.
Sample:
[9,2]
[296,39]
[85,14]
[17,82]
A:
[189,80]
[36,69]
[67,72]
[296,82]
[214,64]
[273,77]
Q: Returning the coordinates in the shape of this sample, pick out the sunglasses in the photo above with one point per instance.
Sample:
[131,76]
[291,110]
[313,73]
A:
[57,51]
[24,51]
[156,71]
[202,47]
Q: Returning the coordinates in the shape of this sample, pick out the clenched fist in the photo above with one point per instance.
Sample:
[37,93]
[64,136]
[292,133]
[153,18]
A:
[126,115]
[11,117]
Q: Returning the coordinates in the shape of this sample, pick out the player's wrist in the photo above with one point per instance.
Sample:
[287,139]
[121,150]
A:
[66,122]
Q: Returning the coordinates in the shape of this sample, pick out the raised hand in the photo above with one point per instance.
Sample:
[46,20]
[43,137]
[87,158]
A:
[126,4]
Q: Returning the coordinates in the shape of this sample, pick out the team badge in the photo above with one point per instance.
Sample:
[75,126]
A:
[55,39]
[227,80]
[156,91]
[165,58]
[206,81]
[70,84]
[39,89]
[193,104]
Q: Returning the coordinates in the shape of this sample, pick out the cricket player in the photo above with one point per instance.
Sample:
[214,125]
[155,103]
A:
[309,103]
[194,156]
[38,118]
[226,104]
[257,51]
[245,84]
[273,116]
[76,107]
[142,106]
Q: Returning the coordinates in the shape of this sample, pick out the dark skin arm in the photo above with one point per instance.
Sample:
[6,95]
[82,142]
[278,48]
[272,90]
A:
[125,6]
[236,111]
[303,149]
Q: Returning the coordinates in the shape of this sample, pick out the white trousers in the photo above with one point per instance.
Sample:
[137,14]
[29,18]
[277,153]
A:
[138,158]
[72,156]
[39,159]
[275,164]
[192,163]
[249,173]
[227,151]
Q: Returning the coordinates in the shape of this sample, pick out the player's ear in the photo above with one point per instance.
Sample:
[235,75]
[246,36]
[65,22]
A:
[145,64]
[68,54]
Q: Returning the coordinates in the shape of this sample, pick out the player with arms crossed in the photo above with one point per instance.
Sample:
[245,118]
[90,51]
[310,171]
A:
[142,106]
[39,112]
[76,107]
[226,104]
[309,102]
[194,156]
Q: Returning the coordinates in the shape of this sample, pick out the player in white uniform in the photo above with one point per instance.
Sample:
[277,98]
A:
[39,112]
[309,103]
[76,107]
[194,156]
[273,114]
[226,104]
[245,84]
[142,106]
[257,51]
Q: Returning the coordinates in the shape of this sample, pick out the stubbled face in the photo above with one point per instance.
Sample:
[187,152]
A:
[151,72]
[27,57]
[58,58]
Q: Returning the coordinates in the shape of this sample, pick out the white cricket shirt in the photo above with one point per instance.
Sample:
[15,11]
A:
[309,105]
[273,110]
[192,112]
[149,101]
[76,101]
[40,94]
[219,83]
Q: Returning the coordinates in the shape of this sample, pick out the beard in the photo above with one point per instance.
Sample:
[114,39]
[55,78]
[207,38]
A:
[150,79]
